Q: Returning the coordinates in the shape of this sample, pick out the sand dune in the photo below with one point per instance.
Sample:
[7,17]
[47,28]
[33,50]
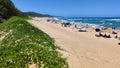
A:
[82,49]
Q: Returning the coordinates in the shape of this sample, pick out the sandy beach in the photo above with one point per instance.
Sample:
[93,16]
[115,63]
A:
[82,49]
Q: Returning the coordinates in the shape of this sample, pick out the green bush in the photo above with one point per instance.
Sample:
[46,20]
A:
[24,44]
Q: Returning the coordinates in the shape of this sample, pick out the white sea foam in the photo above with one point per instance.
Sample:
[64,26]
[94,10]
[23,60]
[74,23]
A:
[117,20]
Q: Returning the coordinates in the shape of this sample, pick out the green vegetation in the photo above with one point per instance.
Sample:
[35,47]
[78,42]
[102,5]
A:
[22,45]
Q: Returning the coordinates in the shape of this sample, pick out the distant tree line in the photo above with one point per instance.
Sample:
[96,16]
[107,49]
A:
[34,14]
[7,10]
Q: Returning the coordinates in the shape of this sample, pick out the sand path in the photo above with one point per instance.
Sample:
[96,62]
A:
[82,49]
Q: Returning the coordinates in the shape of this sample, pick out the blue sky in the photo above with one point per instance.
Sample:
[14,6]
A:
[81,8]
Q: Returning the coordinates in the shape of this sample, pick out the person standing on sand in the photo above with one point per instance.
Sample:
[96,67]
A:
[113,28]
[62,24]
[75,25]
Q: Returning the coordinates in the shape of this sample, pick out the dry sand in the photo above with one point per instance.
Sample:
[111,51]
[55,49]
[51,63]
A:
[82,49]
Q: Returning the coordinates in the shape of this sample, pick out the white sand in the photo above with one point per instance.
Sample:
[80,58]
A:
[82,49]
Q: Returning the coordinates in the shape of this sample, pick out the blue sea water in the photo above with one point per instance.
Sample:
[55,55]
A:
[99,21]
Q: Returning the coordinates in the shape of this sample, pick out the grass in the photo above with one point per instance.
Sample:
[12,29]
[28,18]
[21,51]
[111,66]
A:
[21,45]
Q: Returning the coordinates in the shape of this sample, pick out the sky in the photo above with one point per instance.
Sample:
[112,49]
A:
[78,8]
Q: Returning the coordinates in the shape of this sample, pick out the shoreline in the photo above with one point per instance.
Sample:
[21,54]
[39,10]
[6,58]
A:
[82,49]
[87,23]
[98,26]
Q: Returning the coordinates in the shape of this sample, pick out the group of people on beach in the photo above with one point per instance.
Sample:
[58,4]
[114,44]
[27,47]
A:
[99,30]
[68,24]
[104,31]
[78,27]
[103,34]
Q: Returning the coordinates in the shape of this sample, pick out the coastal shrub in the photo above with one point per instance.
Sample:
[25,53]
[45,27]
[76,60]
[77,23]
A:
[22,45]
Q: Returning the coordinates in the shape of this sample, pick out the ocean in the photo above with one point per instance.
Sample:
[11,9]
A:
[97,21]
